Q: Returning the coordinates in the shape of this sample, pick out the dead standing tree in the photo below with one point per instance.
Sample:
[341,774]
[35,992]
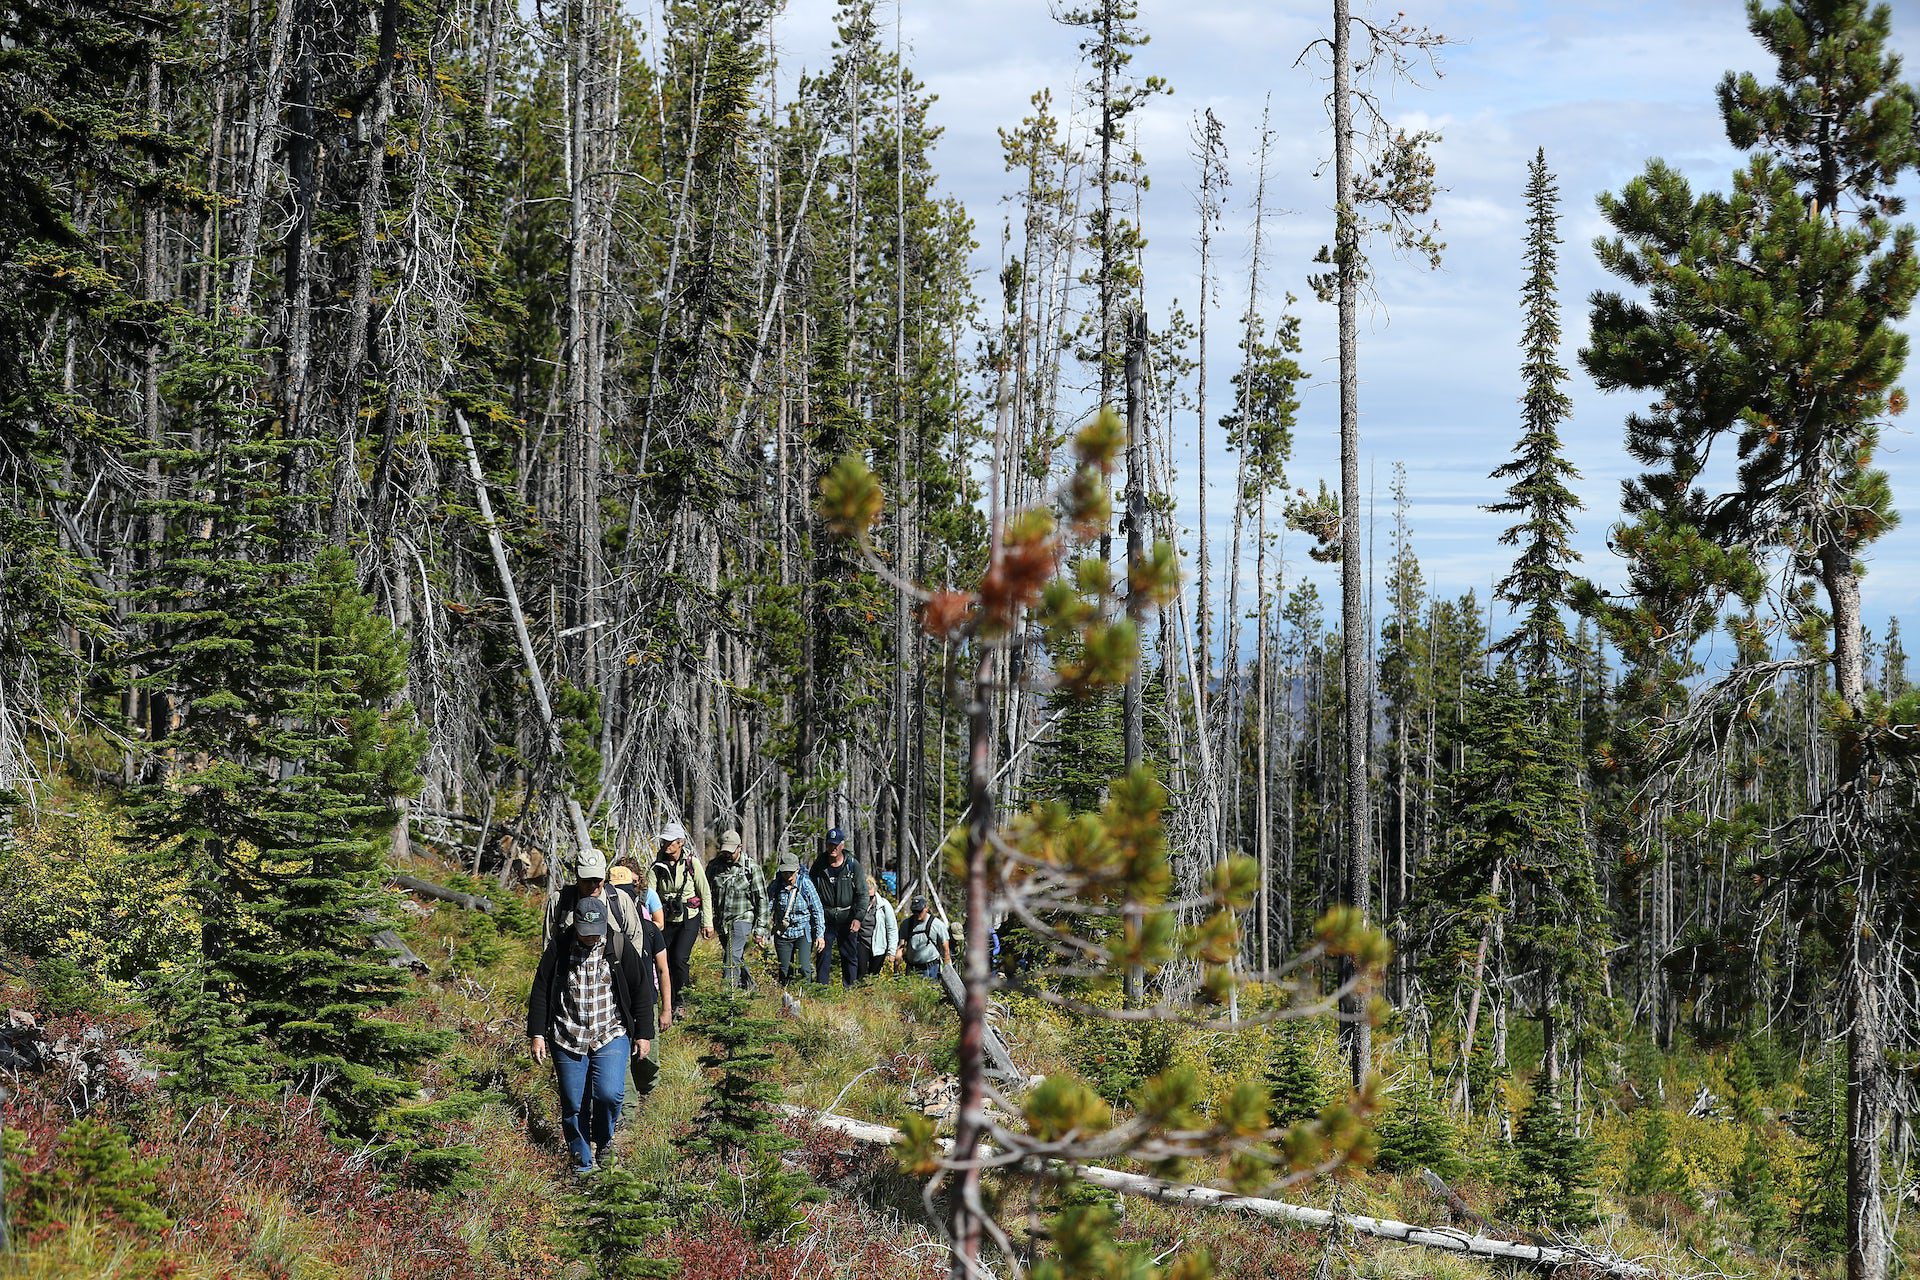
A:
[1383,182]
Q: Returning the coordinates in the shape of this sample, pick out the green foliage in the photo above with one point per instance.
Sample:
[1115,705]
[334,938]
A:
[740,1122]
[1417,1133]
[1821,1185]
[611,1222]
[1296,1089]
[1551,1167]
[1652,1169]
[77,899]
[91,1166]
[1084,1248]
[1116,1057]
[1756,1193]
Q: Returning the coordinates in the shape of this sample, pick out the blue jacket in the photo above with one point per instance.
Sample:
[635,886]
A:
[795,909]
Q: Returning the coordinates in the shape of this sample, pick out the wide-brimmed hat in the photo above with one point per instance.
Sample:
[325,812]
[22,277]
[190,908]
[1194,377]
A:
[622,875]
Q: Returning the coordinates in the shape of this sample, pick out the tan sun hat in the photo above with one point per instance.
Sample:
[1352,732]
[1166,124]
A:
[730,842]
[621,875]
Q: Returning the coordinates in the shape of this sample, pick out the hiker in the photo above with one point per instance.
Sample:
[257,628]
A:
[799,925]
[924,940]
[842,886]
[589,881]
[592,1004]
[883,930]
[681,882]
[739,906]
[625,876]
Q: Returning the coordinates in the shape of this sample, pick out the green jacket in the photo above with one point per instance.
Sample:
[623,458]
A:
[679,886]
[739,891]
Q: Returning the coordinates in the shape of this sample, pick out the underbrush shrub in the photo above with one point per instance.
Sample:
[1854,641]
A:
[612,1221]
[1116,1057]
[75,900]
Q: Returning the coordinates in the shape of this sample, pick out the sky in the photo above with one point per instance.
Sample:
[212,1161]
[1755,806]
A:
[1602,85]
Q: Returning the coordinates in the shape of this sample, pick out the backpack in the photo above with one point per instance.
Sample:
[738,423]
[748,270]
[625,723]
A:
[621,909]
[676,885]
[918,927]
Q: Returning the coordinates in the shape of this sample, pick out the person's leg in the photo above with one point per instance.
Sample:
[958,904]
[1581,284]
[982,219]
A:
[609,1092]
[850,943]
[570,1075]
[735,968]
[679,955]
[787,952]
[823,962]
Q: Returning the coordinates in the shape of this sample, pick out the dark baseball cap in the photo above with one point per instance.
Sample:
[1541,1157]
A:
[836,836]
[590,917]
[919,905]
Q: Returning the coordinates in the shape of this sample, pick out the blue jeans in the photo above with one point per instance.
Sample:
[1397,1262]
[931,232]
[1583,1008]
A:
[931,969]
[593,1087]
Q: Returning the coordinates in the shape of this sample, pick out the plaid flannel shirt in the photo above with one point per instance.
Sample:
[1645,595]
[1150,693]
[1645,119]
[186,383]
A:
[589,1018]
[739,892]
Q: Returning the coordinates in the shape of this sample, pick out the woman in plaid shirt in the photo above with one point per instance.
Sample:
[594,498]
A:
[593,1003]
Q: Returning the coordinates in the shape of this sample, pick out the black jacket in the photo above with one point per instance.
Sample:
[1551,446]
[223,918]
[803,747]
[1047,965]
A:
[850,903]
[635,991]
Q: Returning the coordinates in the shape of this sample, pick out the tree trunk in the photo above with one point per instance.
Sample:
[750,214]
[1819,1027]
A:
[1358,883]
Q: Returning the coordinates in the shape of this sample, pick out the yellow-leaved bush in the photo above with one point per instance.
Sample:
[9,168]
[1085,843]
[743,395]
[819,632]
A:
[74,892]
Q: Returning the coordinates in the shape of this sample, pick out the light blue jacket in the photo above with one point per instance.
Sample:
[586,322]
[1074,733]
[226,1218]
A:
[796,910]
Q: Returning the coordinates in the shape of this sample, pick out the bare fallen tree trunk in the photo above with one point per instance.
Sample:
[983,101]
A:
[401,956]
[1551,1257]
[998,1059]
[428,889]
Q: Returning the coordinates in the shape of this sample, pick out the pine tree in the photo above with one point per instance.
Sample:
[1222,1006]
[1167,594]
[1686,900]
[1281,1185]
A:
[280,777]
[1551,1179]
[1771,331]
[611,1223]
[739,1125]
[1417,1133]
[1756,1193]
[1295,1088]
[1651,1169]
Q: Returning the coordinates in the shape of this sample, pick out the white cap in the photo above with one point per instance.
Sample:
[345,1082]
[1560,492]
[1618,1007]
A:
[671,832]
[592,865]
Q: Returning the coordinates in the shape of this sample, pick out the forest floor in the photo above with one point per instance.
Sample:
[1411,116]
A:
[255,1190]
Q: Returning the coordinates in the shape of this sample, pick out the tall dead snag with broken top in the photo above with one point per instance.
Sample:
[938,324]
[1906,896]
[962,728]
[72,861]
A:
[1092,890]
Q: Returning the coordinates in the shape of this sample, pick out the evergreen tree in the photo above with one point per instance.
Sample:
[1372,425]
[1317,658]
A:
[1296,1090]
[1651,1169]
[1540,474]
[1756,1193]
[1417,1133]
[1771,331]
[281,766]
[1551,1178]
[740,1122]
[611,1223]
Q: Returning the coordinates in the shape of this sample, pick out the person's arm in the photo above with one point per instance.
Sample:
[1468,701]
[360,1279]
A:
[862,901]
[538,1015]
[816,915]
[758,880]
[706,897]
[946,945]
[666,988]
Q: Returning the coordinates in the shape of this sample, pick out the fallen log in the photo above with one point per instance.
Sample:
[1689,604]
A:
[428,889]
[401,956]
[1550,1257]
[999,1061]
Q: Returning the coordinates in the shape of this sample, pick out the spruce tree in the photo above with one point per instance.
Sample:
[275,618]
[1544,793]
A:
[739,1125]
[1539,471]
[1756,1193]
[274,685]
[1770,332]
[1296,1090]
[1651,1168]
[1552,1167]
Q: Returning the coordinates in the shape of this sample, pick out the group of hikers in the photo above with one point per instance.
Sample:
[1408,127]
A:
[616,966]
